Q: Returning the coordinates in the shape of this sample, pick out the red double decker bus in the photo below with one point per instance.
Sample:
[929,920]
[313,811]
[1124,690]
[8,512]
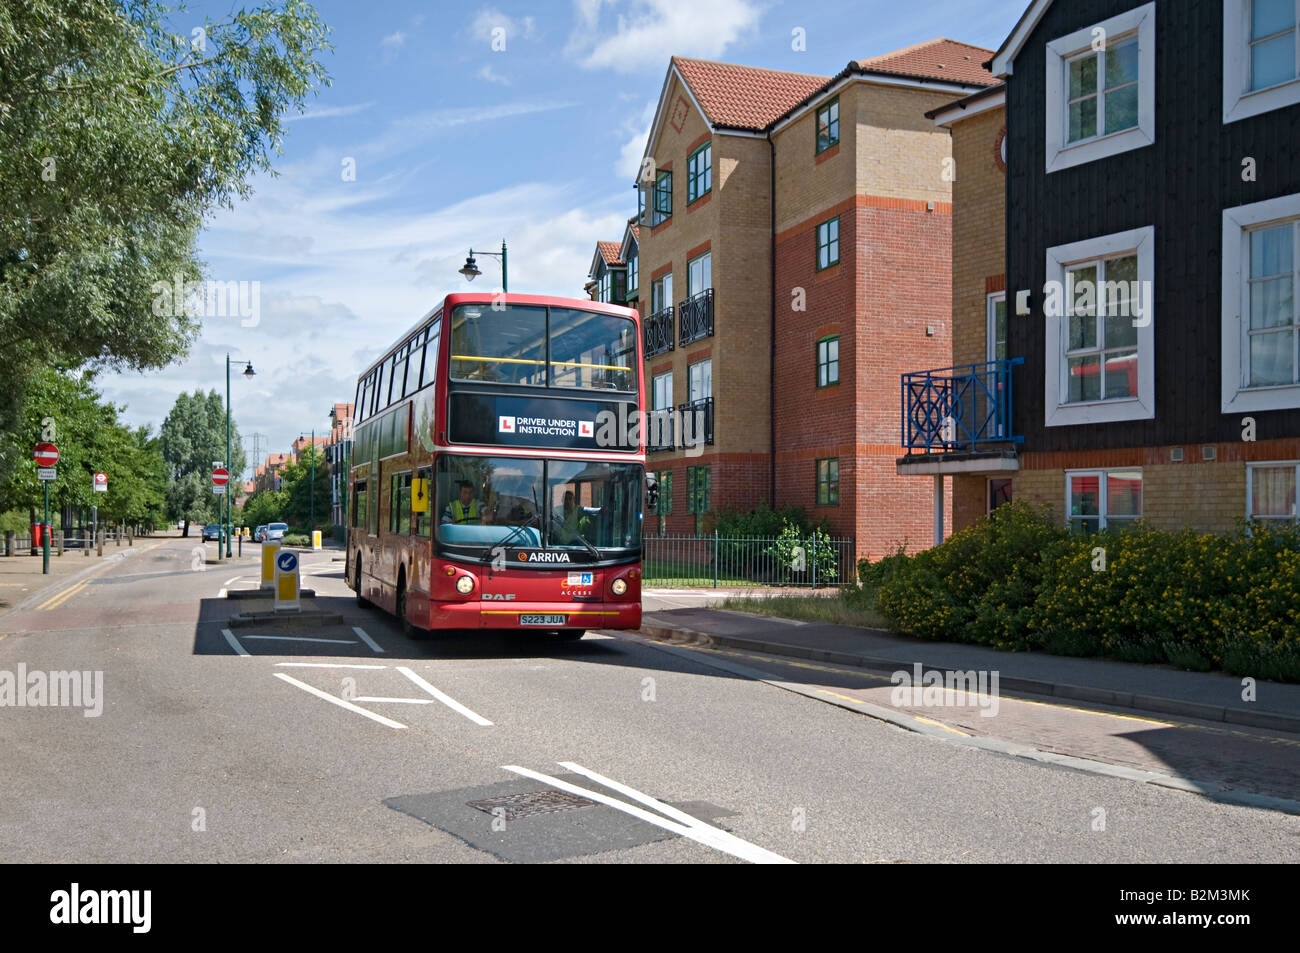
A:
[498,469]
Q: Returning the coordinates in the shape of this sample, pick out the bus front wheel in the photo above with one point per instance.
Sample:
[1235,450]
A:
[362,601]
[409,628]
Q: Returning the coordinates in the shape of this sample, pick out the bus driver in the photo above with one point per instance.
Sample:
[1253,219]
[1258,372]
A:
[466,509]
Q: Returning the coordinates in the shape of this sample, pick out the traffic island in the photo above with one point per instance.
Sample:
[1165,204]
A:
[263,593]
[301,618]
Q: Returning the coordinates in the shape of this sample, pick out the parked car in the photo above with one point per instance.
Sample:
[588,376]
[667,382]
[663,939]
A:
[212,531]
[275,532]
[259,534]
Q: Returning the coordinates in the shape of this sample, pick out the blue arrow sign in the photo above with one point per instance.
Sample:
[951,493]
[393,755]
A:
[286,562]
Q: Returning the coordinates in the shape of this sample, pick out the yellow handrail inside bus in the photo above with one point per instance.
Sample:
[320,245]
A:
[521,360]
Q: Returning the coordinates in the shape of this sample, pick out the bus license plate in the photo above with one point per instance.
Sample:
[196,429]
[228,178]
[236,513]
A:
[543,619]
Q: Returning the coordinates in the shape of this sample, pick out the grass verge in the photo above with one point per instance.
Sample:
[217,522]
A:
[835,609]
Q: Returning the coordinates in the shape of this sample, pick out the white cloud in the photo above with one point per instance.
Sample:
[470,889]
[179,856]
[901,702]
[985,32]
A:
[330,112]
[342,274]
[638,130]
[489,18]
[646,32]
[489,75]
[406,132]
[393,41]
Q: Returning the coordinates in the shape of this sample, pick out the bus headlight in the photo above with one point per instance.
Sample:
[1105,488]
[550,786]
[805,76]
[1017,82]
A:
[619,586]
[464,585]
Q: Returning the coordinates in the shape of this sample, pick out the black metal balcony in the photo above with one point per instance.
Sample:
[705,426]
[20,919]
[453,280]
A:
[697,422]
[658,332]
[964,409]
[661,429]
[697,317]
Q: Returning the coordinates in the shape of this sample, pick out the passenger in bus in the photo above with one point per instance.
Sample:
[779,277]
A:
[466,509]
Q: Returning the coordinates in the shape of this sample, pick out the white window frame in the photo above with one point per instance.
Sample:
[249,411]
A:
[991,324]
[704,374]
[704,264]
[1103,493]
[1139,241]
[655,391]
[1237,225]
[1250,485]
[1060,154]
[1239,101]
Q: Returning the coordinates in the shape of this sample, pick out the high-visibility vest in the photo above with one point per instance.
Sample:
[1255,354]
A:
[461,513]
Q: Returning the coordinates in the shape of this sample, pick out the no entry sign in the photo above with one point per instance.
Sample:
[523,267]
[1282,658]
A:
[220,476]
[45,454]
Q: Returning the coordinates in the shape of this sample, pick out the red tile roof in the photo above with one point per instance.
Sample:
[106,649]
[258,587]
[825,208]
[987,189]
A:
[935,59]
[609,251]
[745,97]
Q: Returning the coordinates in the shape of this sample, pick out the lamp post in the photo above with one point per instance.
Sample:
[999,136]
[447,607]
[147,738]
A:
[248,372]
[471,271]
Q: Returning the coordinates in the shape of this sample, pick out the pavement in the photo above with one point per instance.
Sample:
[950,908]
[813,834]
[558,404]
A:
[682,617]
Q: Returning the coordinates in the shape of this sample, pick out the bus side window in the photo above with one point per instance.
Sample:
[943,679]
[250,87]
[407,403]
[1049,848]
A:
[403,507]
[373,527]
[359,499]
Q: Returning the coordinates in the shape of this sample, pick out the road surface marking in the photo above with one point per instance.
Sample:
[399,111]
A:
[234,642]
[338,701]
[299,638]
[324,665]
[404,701]
[374,646]
[444,698]
[59,598]
[222,593]
[232,579]
[695,830]
[939,724]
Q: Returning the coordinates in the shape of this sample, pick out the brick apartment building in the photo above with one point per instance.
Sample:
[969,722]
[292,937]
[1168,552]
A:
[793,256]
[1184,186]
[338,450]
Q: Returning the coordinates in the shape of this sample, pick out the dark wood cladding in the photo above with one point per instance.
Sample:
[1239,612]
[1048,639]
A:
[1180,185]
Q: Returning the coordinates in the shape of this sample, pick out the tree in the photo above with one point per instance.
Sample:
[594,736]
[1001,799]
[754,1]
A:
[192,438]
[118,138]
[64,408]
[295,484]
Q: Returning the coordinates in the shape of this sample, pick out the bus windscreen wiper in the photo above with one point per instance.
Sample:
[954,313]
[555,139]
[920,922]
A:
[582,539]
[512,534]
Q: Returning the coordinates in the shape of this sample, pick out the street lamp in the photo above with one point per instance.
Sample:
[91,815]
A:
[248,372]
[471,270]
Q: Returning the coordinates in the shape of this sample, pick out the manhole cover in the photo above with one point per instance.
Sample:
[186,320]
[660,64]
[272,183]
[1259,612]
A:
[534,802]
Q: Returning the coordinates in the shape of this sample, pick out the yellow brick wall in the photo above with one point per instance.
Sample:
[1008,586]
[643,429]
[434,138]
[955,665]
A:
[978,230]
[904,151]
[735,219]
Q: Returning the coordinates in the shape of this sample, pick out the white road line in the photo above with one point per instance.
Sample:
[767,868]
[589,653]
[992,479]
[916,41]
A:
[234,642]
[324,665]
[338,701]
[697,830]
[222,593]
[299,638]
[404,701]
[232,579]
[374,646]
[444,698]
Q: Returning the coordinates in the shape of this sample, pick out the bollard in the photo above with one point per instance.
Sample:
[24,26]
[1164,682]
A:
[130,535]
[59,545]
[99,543]
[9,542]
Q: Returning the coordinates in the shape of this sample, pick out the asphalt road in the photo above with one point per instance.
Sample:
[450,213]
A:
[262,746]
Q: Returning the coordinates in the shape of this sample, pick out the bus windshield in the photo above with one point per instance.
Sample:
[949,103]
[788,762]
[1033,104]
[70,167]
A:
[543,347]
[584,507]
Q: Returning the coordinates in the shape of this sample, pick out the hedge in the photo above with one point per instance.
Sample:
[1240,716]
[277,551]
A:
[1018,580]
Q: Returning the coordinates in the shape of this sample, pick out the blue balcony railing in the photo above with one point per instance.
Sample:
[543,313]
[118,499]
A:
[959,409]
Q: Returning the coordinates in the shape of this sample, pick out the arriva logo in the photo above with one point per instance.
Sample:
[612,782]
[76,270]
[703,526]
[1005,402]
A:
[544,557]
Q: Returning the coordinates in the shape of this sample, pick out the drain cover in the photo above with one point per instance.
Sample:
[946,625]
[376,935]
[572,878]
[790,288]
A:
[534,802]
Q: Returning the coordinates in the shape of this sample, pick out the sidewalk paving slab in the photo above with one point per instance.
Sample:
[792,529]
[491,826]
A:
[1213,696]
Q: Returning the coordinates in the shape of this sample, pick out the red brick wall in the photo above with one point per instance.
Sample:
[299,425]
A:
[892,283]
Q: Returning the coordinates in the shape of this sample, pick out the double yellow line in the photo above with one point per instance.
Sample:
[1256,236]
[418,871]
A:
[59,598]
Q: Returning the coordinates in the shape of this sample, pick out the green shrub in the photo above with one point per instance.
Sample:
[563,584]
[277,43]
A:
[1018,580]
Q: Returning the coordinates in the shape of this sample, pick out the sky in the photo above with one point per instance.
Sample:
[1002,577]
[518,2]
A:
[454,144]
